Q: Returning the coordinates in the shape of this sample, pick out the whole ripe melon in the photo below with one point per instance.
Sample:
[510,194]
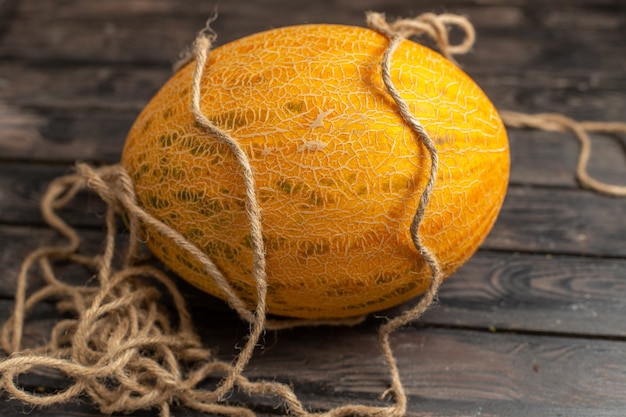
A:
[338,172]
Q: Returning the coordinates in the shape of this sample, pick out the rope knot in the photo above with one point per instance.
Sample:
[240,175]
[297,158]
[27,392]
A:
[436,27]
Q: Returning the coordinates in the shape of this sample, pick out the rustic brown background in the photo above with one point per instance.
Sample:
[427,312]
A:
[533,325]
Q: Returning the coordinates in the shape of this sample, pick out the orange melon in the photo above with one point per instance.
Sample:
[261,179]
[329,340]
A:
[338,172]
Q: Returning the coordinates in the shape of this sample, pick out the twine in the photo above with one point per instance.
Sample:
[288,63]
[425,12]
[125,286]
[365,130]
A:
[126,352]
[552,122]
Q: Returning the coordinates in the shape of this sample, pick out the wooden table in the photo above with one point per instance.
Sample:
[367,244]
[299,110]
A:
[533,325]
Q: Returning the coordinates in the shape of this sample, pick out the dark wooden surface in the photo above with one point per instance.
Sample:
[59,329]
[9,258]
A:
[533,325]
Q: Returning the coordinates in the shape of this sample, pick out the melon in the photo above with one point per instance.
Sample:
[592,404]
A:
[338,172]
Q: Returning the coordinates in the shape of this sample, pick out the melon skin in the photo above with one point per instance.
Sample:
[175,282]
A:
[338,172]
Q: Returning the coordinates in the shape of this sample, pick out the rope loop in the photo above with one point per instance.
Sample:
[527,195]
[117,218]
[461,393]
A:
[436,27]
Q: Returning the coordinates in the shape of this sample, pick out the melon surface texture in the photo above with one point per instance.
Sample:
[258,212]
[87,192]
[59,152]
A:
[338,172]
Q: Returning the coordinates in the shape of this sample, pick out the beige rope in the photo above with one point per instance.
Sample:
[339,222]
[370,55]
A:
[397,32]
[121,333]
[435,27]
[558,123]
[202,46]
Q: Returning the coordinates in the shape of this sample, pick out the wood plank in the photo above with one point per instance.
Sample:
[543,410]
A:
[17,242]
[558,221]
[159,43]
[537,293]
[157,39]
[532,220]
[6,12]
[79,408]
[581,102]
[446,372]
[63,135]
[80,88]
[557,14]
[96,132]
[579,93]
[494,290]
[122,41]
[23,186]
[550,159]
[465,373]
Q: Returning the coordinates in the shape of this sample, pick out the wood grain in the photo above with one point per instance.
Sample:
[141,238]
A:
[536,293]
[62,135]
[105,88]
[463,368]
[494,291]
[579,92]
[22,187]
[94,129]
[549,159]
[6,10]
[558,221]
[156,38]
[96,132]
[532,325]
[445,372]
